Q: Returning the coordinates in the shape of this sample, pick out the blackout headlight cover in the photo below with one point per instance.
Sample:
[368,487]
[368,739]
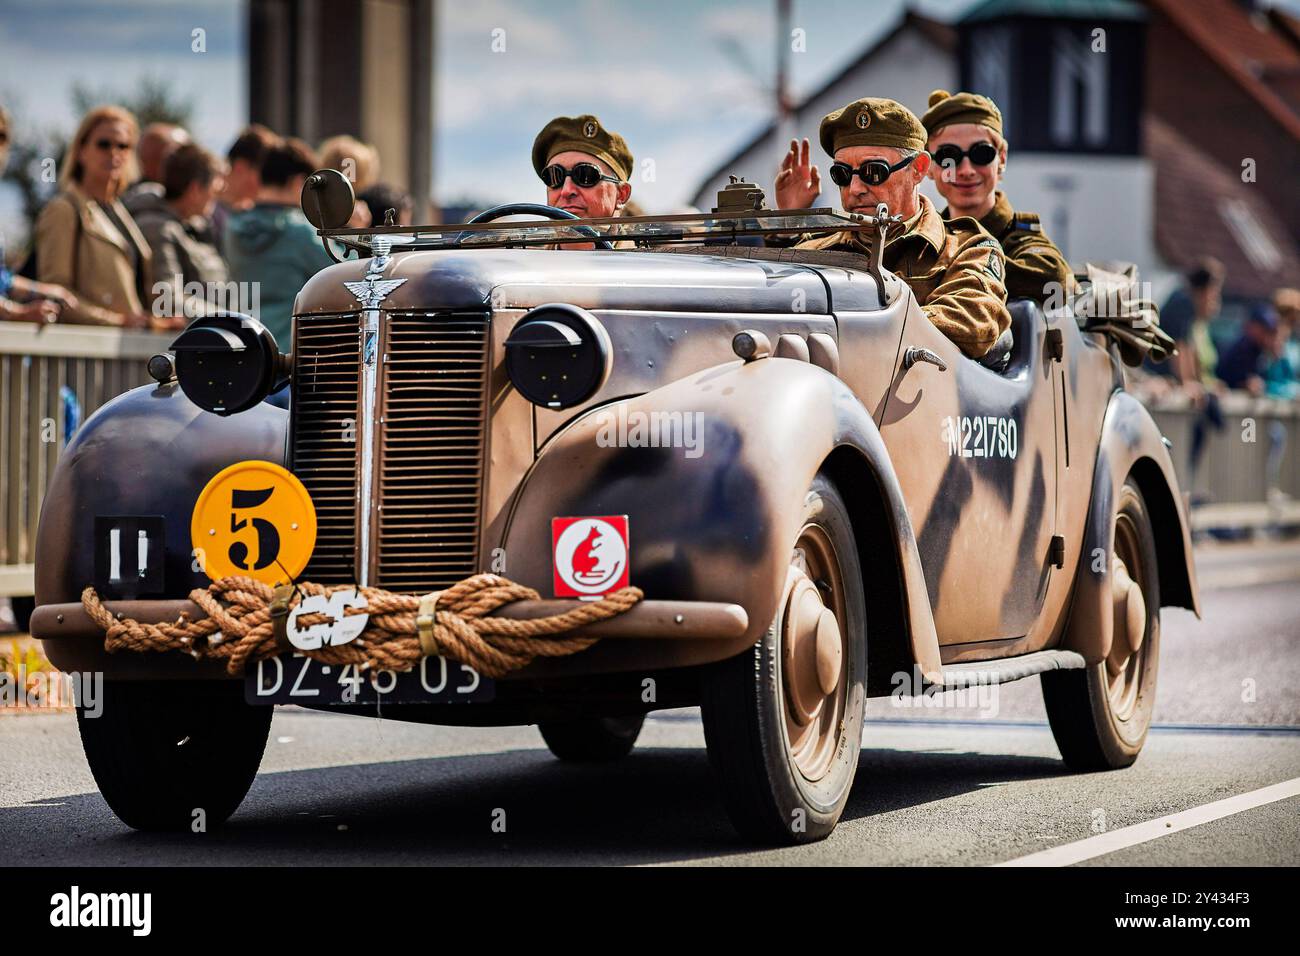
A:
[227,363]
[558,355]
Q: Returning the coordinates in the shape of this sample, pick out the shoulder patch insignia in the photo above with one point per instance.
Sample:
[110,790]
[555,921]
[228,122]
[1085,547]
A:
[994,267]
[988,242]
[1027,221]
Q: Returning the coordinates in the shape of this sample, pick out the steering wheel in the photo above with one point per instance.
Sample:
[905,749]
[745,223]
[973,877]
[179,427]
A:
[534,209]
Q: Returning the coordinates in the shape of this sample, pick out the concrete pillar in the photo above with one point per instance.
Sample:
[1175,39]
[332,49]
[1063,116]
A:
[320,68]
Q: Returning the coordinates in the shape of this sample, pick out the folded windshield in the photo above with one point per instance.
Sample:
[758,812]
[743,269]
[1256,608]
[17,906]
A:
[637,231]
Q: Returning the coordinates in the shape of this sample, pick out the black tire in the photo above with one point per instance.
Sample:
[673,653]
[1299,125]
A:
[160,750]
[23,608]
[1090,732]
[591,739]
[769,798]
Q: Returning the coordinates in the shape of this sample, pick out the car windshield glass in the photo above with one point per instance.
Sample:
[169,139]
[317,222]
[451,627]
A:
[641,231]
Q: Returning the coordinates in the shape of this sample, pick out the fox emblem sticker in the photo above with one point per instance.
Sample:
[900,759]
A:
[589,555]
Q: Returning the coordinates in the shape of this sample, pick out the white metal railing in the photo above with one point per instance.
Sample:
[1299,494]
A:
[50,376]
[1258,447]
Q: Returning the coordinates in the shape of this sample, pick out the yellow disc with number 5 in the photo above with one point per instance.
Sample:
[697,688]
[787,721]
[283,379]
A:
[256,519]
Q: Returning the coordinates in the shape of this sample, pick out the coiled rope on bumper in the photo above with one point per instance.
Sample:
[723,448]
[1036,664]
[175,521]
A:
[240,626]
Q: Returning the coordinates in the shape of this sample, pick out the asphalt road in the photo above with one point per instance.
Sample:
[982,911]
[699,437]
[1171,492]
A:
[953,785]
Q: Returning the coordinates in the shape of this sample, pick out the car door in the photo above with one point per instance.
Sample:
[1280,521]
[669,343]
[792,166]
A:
[976,457]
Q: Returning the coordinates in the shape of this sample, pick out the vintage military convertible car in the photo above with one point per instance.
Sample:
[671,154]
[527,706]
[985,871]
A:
[818,494]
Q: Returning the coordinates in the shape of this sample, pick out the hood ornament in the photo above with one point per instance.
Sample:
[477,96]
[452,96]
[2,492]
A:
[373,289]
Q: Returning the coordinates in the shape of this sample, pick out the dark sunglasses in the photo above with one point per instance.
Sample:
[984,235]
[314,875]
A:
[981,154]
[106,144]
[873,172]
[585,175]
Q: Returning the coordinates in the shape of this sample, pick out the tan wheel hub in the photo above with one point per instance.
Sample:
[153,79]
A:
[811,648]
[1130,607]
[1130,620]
[814,678]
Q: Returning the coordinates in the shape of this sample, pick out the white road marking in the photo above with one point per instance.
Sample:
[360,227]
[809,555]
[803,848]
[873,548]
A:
[1104,843]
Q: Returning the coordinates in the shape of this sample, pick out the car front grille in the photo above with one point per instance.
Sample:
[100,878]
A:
[428,441]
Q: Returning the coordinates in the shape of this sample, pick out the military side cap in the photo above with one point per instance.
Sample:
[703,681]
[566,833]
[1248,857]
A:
[949,108]
[872,121]
[583,134]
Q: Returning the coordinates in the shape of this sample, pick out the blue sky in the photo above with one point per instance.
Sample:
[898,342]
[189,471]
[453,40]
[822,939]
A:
[655,70]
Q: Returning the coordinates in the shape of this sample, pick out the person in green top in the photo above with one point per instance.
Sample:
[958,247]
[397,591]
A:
[969,157]
[272,243]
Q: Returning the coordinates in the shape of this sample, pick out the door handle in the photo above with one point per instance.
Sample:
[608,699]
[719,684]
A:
[915,354]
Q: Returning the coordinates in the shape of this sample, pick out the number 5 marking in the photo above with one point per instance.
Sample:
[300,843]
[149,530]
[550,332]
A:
[268,538]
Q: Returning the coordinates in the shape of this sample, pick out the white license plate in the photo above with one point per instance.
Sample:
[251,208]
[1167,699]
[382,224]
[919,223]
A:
[297,679]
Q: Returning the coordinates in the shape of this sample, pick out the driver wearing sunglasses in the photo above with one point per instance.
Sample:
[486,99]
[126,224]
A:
[970,156]
[584,166]
[954,268]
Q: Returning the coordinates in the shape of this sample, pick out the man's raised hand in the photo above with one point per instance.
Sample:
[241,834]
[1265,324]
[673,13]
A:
[798,184]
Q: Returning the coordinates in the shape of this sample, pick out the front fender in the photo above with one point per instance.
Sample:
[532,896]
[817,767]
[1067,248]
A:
[149,451]
[1131,444]
[716,521]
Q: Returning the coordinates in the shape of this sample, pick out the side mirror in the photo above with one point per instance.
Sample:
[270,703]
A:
[327,199]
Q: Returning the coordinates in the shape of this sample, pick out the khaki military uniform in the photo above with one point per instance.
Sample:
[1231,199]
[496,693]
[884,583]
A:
[955,268]
[1036,269]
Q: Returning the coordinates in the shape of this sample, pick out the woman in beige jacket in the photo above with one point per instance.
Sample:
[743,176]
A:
[86,241]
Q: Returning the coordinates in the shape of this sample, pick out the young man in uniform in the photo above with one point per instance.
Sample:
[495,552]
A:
[969,157]
[955,268]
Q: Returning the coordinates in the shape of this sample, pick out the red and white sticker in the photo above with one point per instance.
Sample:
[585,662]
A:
[589,555]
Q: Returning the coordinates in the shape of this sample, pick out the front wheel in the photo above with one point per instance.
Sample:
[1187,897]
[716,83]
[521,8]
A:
[1100,715]
[783,721]
[171,755]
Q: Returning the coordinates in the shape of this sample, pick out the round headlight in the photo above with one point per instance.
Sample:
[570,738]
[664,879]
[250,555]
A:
[558,355]
[227,363]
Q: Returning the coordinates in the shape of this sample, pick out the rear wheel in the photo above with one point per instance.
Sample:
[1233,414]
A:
[163,750]
[591,739]
[1100,715]
[783,721]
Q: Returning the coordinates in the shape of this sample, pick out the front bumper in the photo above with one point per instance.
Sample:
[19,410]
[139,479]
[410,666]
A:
[652,635]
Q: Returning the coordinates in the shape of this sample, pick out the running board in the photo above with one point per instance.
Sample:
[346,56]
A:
[976,673]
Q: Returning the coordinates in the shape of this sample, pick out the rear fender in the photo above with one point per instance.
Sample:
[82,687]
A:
[1131,444]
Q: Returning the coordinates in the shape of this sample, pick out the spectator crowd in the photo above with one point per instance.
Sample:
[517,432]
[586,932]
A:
[148,229]
[1258,356]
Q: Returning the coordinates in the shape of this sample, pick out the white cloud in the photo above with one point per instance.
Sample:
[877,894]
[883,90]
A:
[656,92]
[467,24]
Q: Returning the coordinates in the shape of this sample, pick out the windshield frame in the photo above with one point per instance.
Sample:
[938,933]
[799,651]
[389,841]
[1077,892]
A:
[642,231]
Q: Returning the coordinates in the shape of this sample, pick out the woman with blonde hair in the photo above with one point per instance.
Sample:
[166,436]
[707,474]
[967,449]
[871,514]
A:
[86,241]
